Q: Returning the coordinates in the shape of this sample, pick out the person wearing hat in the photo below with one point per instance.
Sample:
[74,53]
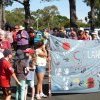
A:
[88,36]
[95,35]
[6,71]
[22,38]
[20,65]
[30,62]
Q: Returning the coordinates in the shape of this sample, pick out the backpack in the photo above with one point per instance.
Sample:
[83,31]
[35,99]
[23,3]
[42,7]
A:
[19,35]
[38,36]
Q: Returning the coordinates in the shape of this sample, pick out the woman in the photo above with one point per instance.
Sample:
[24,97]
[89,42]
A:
[41,57]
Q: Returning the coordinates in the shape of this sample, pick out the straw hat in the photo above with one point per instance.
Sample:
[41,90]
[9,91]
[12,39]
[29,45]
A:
[21,28]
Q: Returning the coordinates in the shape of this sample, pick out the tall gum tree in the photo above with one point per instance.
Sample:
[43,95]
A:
[73,16]
[26,5]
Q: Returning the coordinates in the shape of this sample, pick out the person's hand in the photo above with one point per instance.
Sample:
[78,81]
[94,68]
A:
[49,58]
[19,83]
[27,68]
[43,48]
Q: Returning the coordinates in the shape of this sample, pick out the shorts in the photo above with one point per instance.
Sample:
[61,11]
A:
[6,91]
[30,83]
[40,69]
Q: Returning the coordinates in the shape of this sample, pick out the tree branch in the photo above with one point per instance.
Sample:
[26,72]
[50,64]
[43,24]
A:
[19,2]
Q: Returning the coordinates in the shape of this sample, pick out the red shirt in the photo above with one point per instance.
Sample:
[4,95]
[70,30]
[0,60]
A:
[14,36]
[6,72]
[5,45]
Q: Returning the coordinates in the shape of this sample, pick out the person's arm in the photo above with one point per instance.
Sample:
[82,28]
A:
[43,53]
[14,76]
[24,34]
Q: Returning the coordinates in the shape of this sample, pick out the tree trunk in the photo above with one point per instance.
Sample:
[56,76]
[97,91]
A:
[2,15]
[73,17]
[92,14]
[27,13]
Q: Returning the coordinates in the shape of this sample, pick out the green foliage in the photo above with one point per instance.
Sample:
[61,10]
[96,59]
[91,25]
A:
[49,17]
[15,16]
[46,17]
[96,4]
[82,24]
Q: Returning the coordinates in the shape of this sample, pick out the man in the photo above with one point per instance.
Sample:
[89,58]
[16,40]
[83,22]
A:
[6,71]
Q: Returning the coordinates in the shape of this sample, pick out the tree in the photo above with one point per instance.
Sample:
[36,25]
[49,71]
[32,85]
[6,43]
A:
[17,15]
[2,19]
[26,4]
[73,16]
[45,16]
[94,14]
[3,3]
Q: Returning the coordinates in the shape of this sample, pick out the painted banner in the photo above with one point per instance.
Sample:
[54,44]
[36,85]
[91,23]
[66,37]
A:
[75,65]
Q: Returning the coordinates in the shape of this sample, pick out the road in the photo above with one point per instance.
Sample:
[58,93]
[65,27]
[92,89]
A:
[86,96]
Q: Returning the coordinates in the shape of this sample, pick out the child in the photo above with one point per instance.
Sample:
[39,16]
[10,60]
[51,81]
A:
[30,62]
[20,65]
[6,71]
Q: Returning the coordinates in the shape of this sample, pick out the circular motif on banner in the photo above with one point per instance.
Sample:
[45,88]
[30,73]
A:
[90,82]
[66,46]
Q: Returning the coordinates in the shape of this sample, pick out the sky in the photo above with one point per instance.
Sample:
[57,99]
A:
[63,7]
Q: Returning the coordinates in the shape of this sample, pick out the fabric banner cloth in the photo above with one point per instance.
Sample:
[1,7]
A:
[75,65]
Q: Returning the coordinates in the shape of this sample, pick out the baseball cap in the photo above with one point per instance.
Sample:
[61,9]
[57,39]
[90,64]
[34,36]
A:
[7,52]
[29,50]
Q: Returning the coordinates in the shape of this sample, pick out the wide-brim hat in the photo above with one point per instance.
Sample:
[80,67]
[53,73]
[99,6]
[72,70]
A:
[21,28]
[19,55]
[81,29]
[95,33]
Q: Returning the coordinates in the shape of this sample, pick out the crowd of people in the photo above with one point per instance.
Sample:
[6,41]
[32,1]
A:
[21,56]
[77,34]
[24,54]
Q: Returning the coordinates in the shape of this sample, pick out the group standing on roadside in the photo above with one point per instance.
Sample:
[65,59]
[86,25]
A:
[19,59]
[24,54]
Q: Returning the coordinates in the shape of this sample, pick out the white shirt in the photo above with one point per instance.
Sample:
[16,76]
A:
[40,61]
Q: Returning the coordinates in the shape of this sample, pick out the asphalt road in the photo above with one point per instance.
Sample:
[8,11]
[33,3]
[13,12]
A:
[86,96]
[89,96]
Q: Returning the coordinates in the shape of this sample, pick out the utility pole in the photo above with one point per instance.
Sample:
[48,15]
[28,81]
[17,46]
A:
[37,22]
